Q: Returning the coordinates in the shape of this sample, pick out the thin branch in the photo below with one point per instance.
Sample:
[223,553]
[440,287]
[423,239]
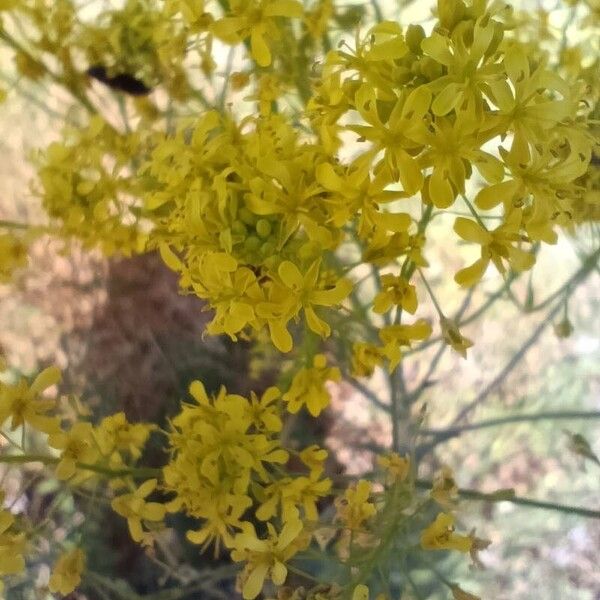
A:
[507,497]
[377,10]
[510,365]
[363,389]
[53,460]
[452,432]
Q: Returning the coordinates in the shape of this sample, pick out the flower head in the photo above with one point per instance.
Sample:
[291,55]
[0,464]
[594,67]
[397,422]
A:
[440,535]
[308,387]
[22,402]
[66,574]
[265,557]
[136,509]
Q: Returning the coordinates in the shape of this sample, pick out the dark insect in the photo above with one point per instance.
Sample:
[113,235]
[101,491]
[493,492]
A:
[123,82]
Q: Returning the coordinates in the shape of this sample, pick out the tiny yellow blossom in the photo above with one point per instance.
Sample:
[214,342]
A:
[440,536]
[361,592]
[308,387]
[454,338]
[354,508]
[365,357]
[395,291]
[314,458]
[502,244]
[394,337]
[255,19]
[135,509]
[265,412]
[444,490]
[66,574]
[265,558]
[116,433]
[22,403]
[77,446]
[12,546]
[396,467]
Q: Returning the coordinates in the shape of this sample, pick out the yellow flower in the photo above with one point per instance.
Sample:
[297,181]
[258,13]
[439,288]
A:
[22,403]
[469,67]
[354,508]
[454,338]
[450,144]
[77,446]
[533,101]
[361,592]
[116,433]
[395,336]
[12,545]
[395,136]
[314,458]
[135,509]
[444,490]
[256,19]
[265,412]
[501,244]
[354,191]
[306,492]
[219,520]
[308,387]
[440,536]
[542,179]
[66,574]
[396,467]
[265,558]
[296,292]
[365,357]
[395,291]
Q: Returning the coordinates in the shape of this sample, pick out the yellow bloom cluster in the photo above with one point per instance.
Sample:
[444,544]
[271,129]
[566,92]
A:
[226,457]
[86,182]
[12,545]
[66,574]
[226,466]
[241,215]
[308,387]
[13,255]
[430,103]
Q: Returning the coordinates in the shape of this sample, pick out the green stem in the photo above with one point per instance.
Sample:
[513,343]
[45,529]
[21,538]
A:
[45,459]
[431,295]
[473,211]
[13,224]
[378,11]
[518,500]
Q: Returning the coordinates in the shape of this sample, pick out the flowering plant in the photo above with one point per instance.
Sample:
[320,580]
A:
[297,197]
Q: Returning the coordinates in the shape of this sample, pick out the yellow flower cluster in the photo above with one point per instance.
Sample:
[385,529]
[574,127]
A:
[87,183]
[12,545]
[227,468]
[66,574]
[13,255]
[226,456]
[241,215]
